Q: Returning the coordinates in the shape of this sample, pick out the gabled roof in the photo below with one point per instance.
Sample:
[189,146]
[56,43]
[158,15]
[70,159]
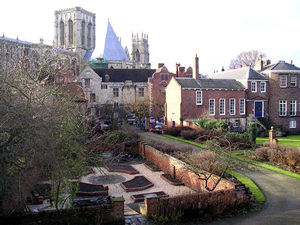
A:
[244,73]
[210,83]
[280,66]
[113,49]
[122,75]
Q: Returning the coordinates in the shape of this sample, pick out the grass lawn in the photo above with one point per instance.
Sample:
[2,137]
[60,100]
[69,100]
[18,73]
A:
[293,141]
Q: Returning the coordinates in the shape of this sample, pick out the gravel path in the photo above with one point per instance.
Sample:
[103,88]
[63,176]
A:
[282,193]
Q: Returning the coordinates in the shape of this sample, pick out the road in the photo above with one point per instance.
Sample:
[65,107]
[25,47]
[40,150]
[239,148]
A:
[282,193]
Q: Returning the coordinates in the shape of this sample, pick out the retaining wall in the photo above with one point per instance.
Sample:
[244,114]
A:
[178,170]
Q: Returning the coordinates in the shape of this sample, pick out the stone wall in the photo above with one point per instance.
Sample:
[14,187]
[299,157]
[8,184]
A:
[111,214]
[178,169]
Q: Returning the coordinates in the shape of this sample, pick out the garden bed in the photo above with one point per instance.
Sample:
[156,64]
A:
[151,166]
[138,183]
[140,197]
[92,189]
[121,168]
[168,178]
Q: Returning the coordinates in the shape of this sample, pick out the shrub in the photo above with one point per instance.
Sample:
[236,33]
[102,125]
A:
[210,124]
[261,154]
[174,131]
[292,158]
[252,132]
[116,137]
[190,134]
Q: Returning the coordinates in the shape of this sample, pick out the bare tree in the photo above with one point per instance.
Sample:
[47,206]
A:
[42,130]
[247,58]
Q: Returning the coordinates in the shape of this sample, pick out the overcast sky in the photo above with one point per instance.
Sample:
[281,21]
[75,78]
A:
[217,30]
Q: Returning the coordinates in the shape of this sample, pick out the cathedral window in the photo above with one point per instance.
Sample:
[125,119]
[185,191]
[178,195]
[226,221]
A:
[137,56]
[83,32]
[89,36]
[62,33]
[70,24]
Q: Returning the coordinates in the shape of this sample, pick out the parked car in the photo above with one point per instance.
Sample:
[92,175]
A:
[156,129]
[131,120]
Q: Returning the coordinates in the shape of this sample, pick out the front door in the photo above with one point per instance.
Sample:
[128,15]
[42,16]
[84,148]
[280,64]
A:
[258,106]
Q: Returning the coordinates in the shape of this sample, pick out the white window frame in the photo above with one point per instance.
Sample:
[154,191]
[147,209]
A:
[293,81]
[242,109]
[264,85]
[293,124]
[293,108]
[212,113]
[232,100]
[116,92]
[222,106]
[198,99]
[283,81]
[253,88]
[141,92]
[282,103]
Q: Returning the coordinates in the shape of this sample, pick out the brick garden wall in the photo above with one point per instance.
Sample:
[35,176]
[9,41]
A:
[176,167]
[202,204]
[111,214]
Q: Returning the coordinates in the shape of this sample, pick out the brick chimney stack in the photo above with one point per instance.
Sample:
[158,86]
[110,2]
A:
[177,69]
[196,68]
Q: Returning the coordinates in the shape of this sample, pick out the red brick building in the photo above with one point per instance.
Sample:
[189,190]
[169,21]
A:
[284,96]
[188,99]
[156,87]
[257,90]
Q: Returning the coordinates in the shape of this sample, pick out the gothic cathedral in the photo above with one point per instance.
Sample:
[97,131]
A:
[75,30]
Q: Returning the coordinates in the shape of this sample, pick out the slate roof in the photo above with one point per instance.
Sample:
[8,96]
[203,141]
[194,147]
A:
[281,65]
[187,82]
[121,75]
[244,73]
[113,49]
[210,83]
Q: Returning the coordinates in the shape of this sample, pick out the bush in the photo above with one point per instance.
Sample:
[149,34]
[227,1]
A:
[292,158]
[252,132]
[116,137]
[190,134]
[261,154]
[210,124]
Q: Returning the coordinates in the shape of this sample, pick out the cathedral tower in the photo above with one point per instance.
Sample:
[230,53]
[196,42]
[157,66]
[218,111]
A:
[75,30]
[140,51]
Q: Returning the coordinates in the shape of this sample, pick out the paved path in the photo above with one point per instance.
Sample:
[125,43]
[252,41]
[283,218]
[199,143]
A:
[282,193]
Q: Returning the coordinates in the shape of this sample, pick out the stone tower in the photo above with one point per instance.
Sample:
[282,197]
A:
[75,30]
[140,51]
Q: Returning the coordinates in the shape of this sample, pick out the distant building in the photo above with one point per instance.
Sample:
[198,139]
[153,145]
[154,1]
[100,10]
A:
[115,87]
[188,99]
[119,58]
[75,30]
